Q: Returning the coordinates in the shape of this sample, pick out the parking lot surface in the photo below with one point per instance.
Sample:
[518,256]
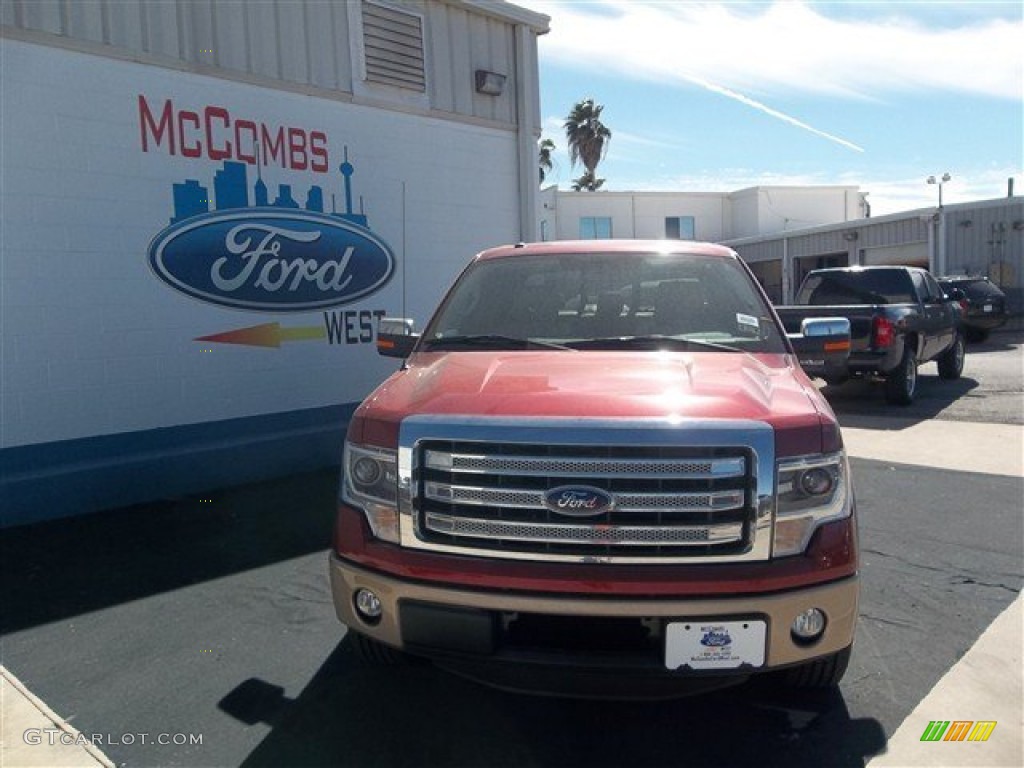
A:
[200,631]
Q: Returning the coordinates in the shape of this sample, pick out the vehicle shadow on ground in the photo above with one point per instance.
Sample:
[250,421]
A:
[992,344]
[53,570]
[859,403]
[997,341]
[353,714]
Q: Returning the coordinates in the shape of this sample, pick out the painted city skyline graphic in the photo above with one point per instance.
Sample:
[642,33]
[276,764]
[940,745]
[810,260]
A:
[252,248]
[231,191]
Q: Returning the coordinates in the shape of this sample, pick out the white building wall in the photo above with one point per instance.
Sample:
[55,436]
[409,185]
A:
[707,210]
[781,209]
[717,215]
[112,390]
[94,343]
[744,220]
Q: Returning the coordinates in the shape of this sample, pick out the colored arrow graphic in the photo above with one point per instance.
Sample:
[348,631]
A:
[267,335]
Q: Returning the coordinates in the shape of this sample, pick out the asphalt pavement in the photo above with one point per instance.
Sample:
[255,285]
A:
[200,632]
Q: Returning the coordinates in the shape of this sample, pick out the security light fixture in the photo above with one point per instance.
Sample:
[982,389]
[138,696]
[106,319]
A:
[932,180]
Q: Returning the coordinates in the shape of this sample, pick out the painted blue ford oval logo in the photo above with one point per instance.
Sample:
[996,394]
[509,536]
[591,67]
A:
[269,260]
[578,501]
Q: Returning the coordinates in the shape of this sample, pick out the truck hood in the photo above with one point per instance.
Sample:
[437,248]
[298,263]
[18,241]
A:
[595,384]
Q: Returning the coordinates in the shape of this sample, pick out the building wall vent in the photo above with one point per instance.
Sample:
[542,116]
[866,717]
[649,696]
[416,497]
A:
[393,45]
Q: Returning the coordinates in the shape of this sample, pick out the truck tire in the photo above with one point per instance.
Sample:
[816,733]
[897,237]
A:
[820,673]
[376,654]
[951,362]
[901,383]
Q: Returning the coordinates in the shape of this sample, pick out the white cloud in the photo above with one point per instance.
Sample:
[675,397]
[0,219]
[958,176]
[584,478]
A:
[891,195]
[785,47]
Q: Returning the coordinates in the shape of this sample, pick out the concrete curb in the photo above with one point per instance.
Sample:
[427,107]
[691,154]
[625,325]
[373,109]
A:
[35,735]
[994,449]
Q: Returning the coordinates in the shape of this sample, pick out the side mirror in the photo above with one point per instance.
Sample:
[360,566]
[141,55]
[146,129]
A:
[823,346]
[395,337]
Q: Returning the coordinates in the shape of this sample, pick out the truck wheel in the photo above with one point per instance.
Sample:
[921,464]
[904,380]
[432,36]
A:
[376,654]
[901,383]
[951,362]
[820,673]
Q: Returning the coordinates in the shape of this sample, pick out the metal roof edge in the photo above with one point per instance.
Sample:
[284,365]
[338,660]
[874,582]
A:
[854,223]
[500,9]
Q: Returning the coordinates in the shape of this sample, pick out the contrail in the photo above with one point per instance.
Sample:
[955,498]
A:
[769,111]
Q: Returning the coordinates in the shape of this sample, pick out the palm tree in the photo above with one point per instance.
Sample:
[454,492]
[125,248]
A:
[588,140]
[587,183]
[546,148]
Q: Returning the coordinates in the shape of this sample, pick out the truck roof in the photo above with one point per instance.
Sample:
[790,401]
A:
[624,247]
[867,267]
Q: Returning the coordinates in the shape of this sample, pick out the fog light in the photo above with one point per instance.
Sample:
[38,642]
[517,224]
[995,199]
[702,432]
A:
[368,606]
[808,626]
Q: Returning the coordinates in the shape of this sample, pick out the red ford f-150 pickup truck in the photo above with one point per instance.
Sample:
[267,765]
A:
[601,470]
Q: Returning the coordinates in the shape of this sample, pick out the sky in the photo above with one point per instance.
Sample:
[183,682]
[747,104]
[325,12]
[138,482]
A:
[720,96]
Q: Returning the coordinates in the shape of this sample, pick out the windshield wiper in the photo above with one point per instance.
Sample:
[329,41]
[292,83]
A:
[491,340]
[653,341]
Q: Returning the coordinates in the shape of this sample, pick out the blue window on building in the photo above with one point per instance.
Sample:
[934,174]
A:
[680,228]
[595,227]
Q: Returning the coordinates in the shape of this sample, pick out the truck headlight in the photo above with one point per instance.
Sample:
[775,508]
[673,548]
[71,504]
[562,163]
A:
[370,483]
[811,490]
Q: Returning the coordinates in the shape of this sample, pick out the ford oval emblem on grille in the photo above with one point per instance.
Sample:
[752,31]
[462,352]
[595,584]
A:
[578,501]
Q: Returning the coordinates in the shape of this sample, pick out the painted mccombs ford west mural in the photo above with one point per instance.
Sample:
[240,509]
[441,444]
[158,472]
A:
[272,256]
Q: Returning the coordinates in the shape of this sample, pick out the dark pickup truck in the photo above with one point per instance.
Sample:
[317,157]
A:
[899,319]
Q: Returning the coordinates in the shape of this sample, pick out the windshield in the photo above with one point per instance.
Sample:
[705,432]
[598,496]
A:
[605,300]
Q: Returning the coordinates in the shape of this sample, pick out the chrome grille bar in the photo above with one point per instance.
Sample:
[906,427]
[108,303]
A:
[562,466]
[624,502]
[558,533]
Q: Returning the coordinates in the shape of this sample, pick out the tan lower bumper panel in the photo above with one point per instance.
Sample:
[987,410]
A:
[424,617]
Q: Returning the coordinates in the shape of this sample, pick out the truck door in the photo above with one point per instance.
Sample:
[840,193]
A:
[932,316]
[945,314]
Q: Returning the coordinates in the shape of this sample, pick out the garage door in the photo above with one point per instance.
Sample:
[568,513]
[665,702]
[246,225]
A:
[908,254]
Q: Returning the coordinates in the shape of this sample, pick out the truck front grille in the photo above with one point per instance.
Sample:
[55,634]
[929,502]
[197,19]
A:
[663,501]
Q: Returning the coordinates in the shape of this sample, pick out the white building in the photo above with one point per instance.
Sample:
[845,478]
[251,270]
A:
[784,232]
[205,207]
[707,216]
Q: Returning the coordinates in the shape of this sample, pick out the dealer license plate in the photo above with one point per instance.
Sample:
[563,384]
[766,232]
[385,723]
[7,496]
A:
[714,644]
[987,308]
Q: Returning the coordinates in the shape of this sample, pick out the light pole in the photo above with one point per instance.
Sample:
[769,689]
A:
[937,262]
[932,180]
